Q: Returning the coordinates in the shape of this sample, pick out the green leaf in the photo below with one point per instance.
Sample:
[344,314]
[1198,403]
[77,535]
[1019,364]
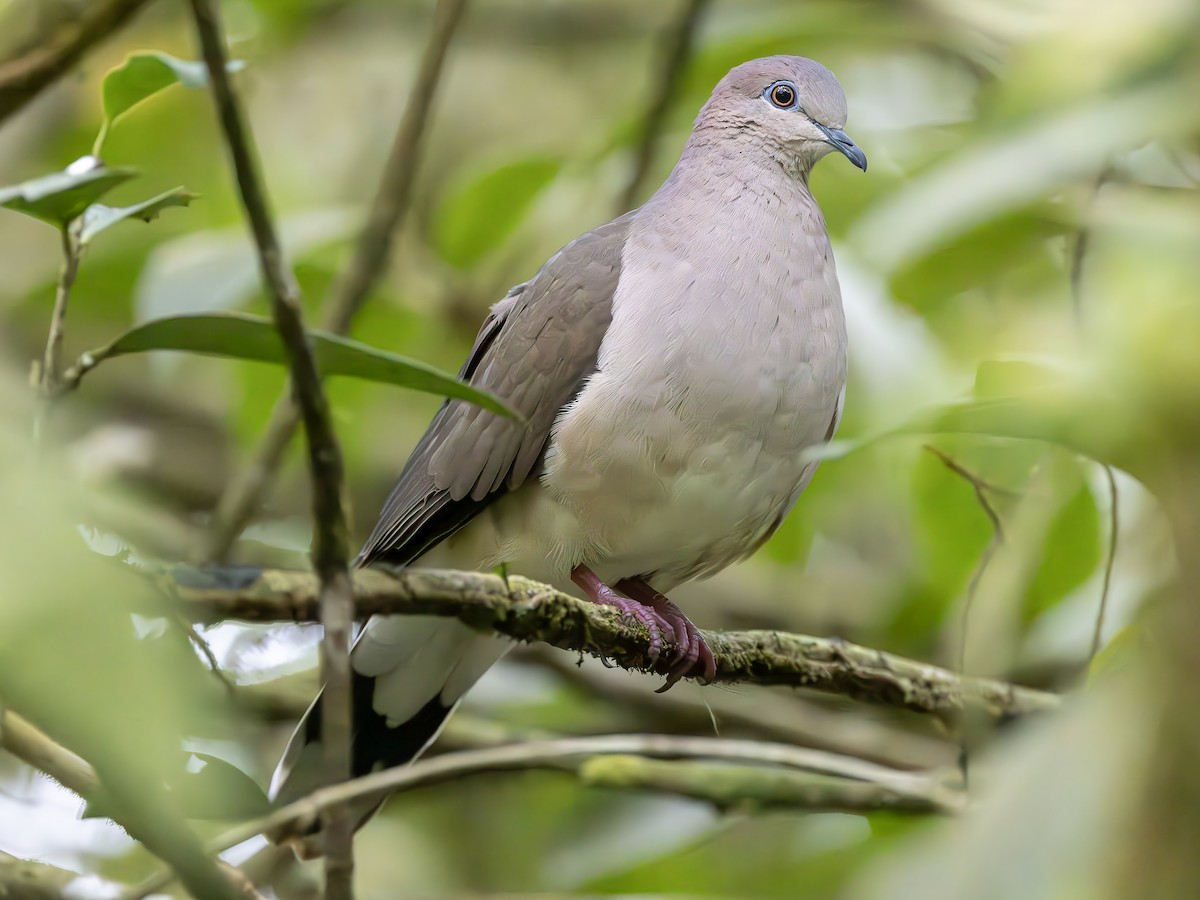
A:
[204,271]
[208,787]
[140,77]
[243,336]
[481,214]
[98,217]
[1072,552]
[63,196]
[980,256]
[202,787]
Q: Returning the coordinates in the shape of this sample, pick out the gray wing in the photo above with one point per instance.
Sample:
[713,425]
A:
[534,350]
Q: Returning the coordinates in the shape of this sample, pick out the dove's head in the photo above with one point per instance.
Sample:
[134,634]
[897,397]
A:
[791,103]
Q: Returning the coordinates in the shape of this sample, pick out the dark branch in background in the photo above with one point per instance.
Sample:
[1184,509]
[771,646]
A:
[764,714]
[170,841]
[1078,258]
[1083,240]
[727,774]
[23,78]
[1113,528]
[393,197]
[676,52]
[528,611]
[330,545]
[981,489]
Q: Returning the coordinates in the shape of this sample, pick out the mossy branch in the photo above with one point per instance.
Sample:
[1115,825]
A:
[528,611]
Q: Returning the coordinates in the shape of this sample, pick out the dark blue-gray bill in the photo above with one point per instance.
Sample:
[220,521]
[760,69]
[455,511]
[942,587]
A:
[842,143]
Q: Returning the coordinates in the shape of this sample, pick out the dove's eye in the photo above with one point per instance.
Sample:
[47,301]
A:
[782,94]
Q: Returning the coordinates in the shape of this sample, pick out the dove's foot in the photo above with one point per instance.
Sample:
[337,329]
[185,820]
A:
[691,650]
[663,619]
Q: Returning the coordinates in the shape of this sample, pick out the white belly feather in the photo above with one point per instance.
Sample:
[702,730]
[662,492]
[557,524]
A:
[725,358]
[683,450]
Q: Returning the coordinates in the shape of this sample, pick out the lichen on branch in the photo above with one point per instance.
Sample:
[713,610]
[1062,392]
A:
[528,611]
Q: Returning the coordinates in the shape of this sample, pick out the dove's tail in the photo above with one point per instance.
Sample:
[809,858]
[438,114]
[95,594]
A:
[408,672]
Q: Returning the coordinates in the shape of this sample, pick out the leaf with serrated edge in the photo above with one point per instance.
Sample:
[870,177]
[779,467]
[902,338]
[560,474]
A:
[98,217]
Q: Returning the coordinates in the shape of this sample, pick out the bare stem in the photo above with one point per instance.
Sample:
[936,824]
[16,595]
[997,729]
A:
[676,53]
[48,375]
[330,538]
[393,197]
[25,77]
[1113,529]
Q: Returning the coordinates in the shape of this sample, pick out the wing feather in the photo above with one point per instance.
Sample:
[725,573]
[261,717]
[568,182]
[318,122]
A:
[534,351]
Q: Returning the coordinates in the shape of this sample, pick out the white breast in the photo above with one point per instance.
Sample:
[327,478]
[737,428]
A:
[724,360]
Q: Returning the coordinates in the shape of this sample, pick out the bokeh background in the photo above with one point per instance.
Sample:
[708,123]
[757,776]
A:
[1030,207]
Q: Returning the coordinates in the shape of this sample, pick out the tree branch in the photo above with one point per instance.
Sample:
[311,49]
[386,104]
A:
[170,841]
[763,714]
[573,754]
[23,78]
[528,611]
[393,197]
[677,51]
[28,880]
[330,546]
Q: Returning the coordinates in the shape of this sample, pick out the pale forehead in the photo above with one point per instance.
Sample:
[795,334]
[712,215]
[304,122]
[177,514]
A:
[820,93]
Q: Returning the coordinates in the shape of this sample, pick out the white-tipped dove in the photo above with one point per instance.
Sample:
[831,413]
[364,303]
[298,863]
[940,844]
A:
[672,366]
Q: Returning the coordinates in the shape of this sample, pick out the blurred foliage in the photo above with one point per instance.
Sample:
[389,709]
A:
[1028,229]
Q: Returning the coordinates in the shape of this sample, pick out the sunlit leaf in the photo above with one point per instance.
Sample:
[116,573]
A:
[481,214]
[978,184]
[140,77]
[98,217]
[218,269]
[243,336]
[63,196]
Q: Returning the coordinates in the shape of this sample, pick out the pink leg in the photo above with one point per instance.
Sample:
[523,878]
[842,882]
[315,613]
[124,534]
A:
[691,648]
[599,592]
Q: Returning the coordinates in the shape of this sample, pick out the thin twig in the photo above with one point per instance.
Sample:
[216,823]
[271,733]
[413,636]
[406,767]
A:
[330,546]
[202,647]
[981,488]
[48,369]
[393,197]
[1113,529]
[528,611]
[23,78]
[1083,241]
[58,318]
[675,57]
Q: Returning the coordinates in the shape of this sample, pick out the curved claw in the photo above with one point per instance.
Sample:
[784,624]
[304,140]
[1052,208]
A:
[691,650]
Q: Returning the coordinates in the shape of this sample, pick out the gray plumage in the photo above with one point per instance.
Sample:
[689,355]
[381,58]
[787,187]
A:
[672,367]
